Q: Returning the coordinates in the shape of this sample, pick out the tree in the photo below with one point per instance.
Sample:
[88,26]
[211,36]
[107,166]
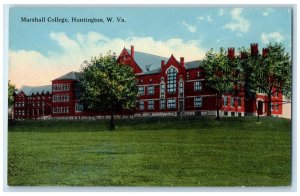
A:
[273,72]
[218,75]
[108,86]
[250,64]
[11,90]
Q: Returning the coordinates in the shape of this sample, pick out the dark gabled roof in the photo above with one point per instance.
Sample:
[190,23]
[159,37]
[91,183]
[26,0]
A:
[69,76]
[29,90]
[193,64]
[155,71]
[148,62]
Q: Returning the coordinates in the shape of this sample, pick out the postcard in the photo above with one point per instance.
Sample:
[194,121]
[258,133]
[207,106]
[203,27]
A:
[150,96]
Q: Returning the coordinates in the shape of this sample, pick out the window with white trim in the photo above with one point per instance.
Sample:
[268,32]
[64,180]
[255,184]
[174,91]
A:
[141,90]
[162,90]
[61,87]
[150,105]
[162,104]
[141,105]
[171,104]
[181,89]
[225,99]
[150,90]
[198,102]
[78,107]
[197,86]
[171,79]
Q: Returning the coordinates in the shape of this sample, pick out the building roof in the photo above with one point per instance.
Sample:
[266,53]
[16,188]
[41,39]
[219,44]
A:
[29,90]
[151,64]
[193,64]
[148,62]
[69,76]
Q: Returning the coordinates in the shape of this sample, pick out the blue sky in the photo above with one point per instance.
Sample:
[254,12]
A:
[51,49]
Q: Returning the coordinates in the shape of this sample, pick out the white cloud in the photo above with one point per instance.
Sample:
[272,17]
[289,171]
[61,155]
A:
[267,11]
[269,37]
[29,67]
[238,23]
[221,12]
[209,19]
[190,28]
[200,18]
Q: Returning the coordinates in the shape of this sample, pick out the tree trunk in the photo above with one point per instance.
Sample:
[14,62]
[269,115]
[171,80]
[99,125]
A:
[256,108]
[218,112]
[269,103]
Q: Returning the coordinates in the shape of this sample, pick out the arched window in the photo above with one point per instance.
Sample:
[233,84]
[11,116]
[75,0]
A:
[171,75]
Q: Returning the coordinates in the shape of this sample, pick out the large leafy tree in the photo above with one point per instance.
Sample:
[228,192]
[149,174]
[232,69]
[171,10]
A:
[108,86]
[219,75]
[250,64]
[11,90]
[272,72]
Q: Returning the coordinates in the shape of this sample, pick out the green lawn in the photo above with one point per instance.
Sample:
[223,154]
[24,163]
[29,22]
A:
[151,152]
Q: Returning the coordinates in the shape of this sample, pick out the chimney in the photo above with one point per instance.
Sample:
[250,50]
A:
[254,49]
[132,51]
[231,53]
[162,63]
[182,61]
[264,52]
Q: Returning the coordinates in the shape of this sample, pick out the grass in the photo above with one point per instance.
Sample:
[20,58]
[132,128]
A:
[151,152]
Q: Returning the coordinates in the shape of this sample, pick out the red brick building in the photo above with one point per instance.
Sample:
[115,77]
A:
[166,87]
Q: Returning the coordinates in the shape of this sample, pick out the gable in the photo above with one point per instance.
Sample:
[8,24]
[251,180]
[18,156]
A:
[126,59]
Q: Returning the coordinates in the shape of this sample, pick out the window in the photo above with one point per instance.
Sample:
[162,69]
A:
[150,105]
[171,74]
[277,106]
[141,90]
[162,90]
[150,90]
[141,105]
[187,75]
[232,113]
[225,101]
[232,102]
[198,74]
[225,113]
[171,103]
[162,104]
[239,102]
[181,89]
[61,98]
[198,101]
[61,87]
[197,86]
[78,107]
